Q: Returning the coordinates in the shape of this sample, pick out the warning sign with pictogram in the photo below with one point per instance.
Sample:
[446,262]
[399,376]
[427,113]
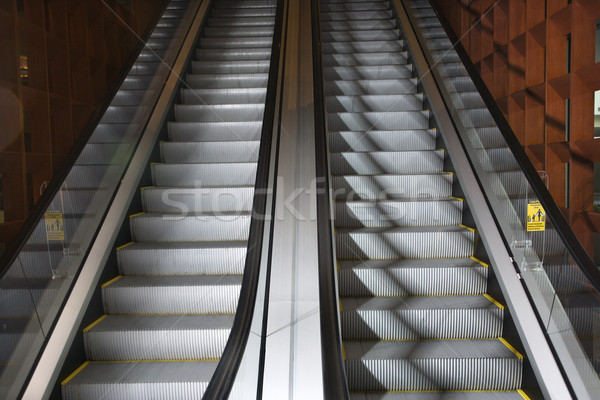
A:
[55,228]
[536,216]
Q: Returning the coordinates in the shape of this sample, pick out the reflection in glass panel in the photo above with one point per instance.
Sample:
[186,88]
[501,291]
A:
[597,114]
[568,53]
[597,186]
[598,40]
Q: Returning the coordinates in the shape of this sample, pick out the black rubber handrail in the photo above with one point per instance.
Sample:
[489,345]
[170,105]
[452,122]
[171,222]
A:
[31,222]
[223,379]
[575,248]
[335,384]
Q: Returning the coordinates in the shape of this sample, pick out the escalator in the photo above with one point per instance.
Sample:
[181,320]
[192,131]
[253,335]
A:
[416,314]
[169,312]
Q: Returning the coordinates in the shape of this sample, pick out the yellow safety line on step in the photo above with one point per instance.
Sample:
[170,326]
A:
[93,324]
[111,281]
[490,298]
[125,245]
[523,395]
[135,215]
[343,351]
[341,308]
[466,227]
[477,260]
[146,187]
[519,356]
[457,198]
[78,370]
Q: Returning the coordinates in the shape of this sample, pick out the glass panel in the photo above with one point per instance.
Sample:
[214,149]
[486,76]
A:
[565,300]
[35,285]
[598,40]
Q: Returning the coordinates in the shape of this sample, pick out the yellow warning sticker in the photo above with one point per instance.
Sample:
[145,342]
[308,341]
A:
[536,216]
[55,228]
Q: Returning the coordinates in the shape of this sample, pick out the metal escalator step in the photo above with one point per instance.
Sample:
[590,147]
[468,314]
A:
[193,152]
[158,43]
[578,308]
[90,176]
[468,100]
[163,32]
[140,380]
[104,153]
[432,365]
[438,395]
[407,242]
[421,277]
[144,68]
[424,12]
[238,32]
[368,72]
[355,6]
[172,200]
[382,103]
[373,87]
[396,58]
[173,13]
[243,12]
[414,318]
[445,56]
[190,227]
[439,44]
[352,35]
[356,15]
[22,297]
[373,46]
[405,212]
[157,337]
[218,112]
[192,258]
[236,42]
[434,32]
[387,162]
[204,175]
[230,67]
[244,4]
[477,117]
[233,54]
[491,137]
[241,21]
[500,159]
[463,84]
[207,294]
[343,1]
[354,25]
[380,121]
[453,70]
[431,22]
[412,139]
[224,96]
[138,82]
[122,114]
[220,81]
[128,97]
[379,187]
[214,131]
[563,277]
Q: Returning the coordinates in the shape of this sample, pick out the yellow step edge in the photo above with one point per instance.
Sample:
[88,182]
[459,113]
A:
[519,356]
[343,351]
[337,263]
[147,187]
[340,302]
[523,395]
[477,260]
[125,245]
[457,198]
[93,324]
[113,280]
[135,215]
[448,172]
[490,298]
[78,370]
[466,227]
[444,391]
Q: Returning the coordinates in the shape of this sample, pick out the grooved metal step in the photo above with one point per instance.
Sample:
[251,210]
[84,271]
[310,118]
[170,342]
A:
[184,200]
[194,152]
[381,187]
[241,21]
[373,46]
[371,87]
[405,212]
[380,121]
[358,6]
[221,81]
[238,32]
[230,67]
[357,59]
[368,72]
[432,365]
[233,54]
[387,162]
[355,15]
[381,103]
[244,12]
[204,175]
[190,227]
[214,131]
[218,112]
[412,139]
[236,42]
[141,381]
[191,258]
[405,242]
[207,294]
[385,23]
[420,277]
[414,318]
[352,35]
[157,337]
